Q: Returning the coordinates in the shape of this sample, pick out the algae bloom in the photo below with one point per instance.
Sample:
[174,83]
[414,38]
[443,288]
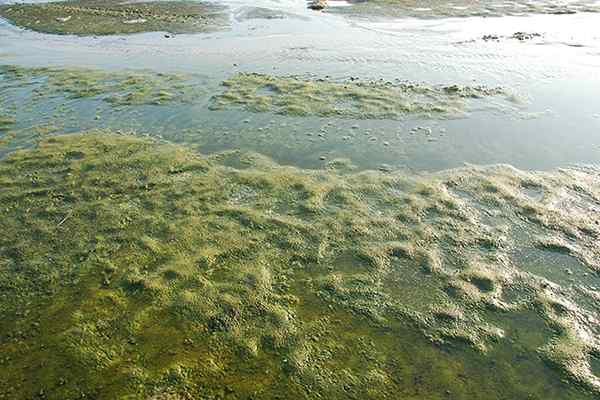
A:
[130,269]
[349,99]
[93,17]
[116,88]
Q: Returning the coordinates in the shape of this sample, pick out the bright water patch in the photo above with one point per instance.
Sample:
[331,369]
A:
[463,8]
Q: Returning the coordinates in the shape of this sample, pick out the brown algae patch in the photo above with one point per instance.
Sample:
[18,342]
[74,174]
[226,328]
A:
[520,36]
[460,8]
[93,17]
[129,268]
[348,99]
[116,88]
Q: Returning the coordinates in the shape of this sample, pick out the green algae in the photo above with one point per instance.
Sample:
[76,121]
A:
[44,101]
[116,88]
[93,17]
[461,8]
[6,123]
[347,99]
[131,269]
[76,99]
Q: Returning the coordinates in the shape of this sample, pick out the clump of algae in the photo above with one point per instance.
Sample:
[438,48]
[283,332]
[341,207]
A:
[93,17]
[117,88]
[350,99]
[6,122]
[134,269]
[462,8]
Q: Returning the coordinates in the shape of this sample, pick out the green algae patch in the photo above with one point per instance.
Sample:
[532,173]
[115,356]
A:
[49,100]
[93,17]
[6,123]
[348,99]
[460,8]
[116,88]
[131,269]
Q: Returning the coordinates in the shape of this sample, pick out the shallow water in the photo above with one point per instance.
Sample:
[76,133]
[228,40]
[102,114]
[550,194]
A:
[254,280]
[549,125]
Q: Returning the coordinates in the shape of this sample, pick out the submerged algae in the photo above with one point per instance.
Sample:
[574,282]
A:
[117,88]
[135,269]
[93,17]
[46,100]
[6,121]
[349,99]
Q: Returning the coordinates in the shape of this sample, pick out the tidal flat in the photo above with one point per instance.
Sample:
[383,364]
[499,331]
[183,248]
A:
[132,269]
[108,17]
[252,200]
[433,9]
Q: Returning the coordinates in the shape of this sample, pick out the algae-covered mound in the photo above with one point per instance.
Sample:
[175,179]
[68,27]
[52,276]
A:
[117,88]
[462,8]
[135,270]
[94,17]
[349,99]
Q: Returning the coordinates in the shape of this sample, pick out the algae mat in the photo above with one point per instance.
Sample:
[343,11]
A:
[253,92]
[93,17]
[303,119]
[352,98]
[116,88]
[40,101]
[130,269]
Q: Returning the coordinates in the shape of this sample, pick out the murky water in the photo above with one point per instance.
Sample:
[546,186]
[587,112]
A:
[329,244]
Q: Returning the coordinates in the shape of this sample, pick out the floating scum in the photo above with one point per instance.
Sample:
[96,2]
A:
[131,269]
[106,17]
